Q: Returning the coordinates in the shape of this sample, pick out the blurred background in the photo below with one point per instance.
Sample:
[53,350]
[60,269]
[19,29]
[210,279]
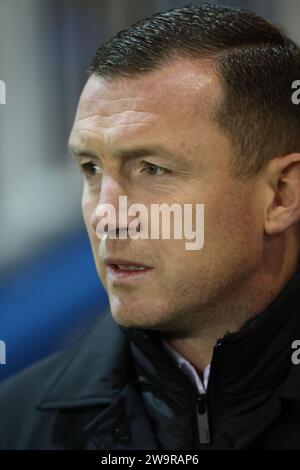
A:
[49,290]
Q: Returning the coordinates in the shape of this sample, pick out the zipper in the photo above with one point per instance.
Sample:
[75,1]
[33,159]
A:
[203,419]
[202,411]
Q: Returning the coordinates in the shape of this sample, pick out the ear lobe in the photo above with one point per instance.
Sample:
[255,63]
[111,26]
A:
[284,210]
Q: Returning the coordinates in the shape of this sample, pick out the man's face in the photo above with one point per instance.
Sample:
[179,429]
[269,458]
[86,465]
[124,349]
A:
[170,108]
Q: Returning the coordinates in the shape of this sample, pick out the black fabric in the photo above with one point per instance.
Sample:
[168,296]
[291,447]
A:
[120,389]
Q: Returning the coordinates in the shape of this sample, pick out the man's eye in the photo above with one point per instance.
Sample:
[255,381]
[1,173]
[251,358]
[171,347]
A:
[154,170]
[90,169]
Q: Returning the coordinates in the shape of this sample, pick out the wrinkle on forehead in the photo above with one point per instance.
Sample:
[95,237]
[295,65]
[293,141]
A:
[180,87]
[121,118]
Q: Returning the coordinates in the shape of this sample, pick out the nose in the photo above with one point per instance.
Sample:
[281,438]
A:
[110,207]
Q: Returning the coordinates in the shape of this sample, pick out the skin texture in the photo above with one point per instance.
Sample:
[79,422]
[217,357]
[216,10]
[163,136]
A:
[251,244]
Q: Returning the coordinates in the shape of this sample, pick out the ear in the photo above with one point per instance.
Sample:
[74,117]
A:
[283,211]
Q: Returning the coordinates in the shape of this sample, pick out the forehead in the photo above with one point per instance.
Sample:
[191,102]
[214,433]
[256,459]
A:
[185,81]
[176,99]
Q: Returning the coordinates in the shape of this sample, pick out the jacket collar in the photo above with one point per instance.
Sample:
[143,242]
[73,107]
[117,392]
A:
[258,357]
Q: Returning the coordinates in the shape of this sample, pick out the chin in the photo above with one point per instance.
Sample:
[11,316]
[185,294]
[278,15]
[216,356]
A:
[143,320]
[131,318]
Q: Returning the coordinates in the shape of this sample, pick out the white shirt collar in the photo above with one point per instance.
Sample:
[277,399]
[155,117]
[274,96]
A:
[188,369]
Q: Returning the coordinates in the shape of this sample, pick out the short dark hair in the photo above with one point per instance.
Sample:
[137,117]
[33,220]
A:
[254,60]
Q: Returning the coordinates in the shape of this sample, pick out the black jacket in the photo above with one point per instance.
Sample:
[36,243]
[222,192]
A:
[120,389]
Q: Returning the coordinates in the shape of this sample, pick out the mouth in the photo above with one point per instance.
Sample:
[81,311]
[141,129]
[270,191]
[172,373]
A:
[122,269]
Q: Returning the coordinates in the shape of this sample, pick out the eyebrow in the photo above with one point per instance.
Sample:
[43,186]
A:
[134,152]
[79,152]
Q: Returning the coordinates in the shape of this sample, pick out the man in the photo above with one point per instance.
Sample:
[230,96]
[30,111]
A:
[190,106]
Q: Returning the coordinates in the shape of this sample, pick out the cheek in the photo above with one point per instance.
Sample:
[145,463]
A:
[88,208]
[234,227]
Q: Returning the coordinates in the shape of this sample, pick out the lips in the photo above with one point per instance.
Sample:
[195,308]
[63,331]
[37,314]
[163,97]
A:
[122,266]
[130,267]
[125,264]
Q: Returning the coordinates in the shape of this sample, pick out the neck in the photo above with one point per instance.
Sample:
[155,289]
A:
[252,298]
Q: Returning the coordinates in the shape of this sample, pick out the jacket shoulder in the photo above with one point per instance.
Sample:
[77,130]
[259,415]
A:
[33,380]
[19,396]
[23,424]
